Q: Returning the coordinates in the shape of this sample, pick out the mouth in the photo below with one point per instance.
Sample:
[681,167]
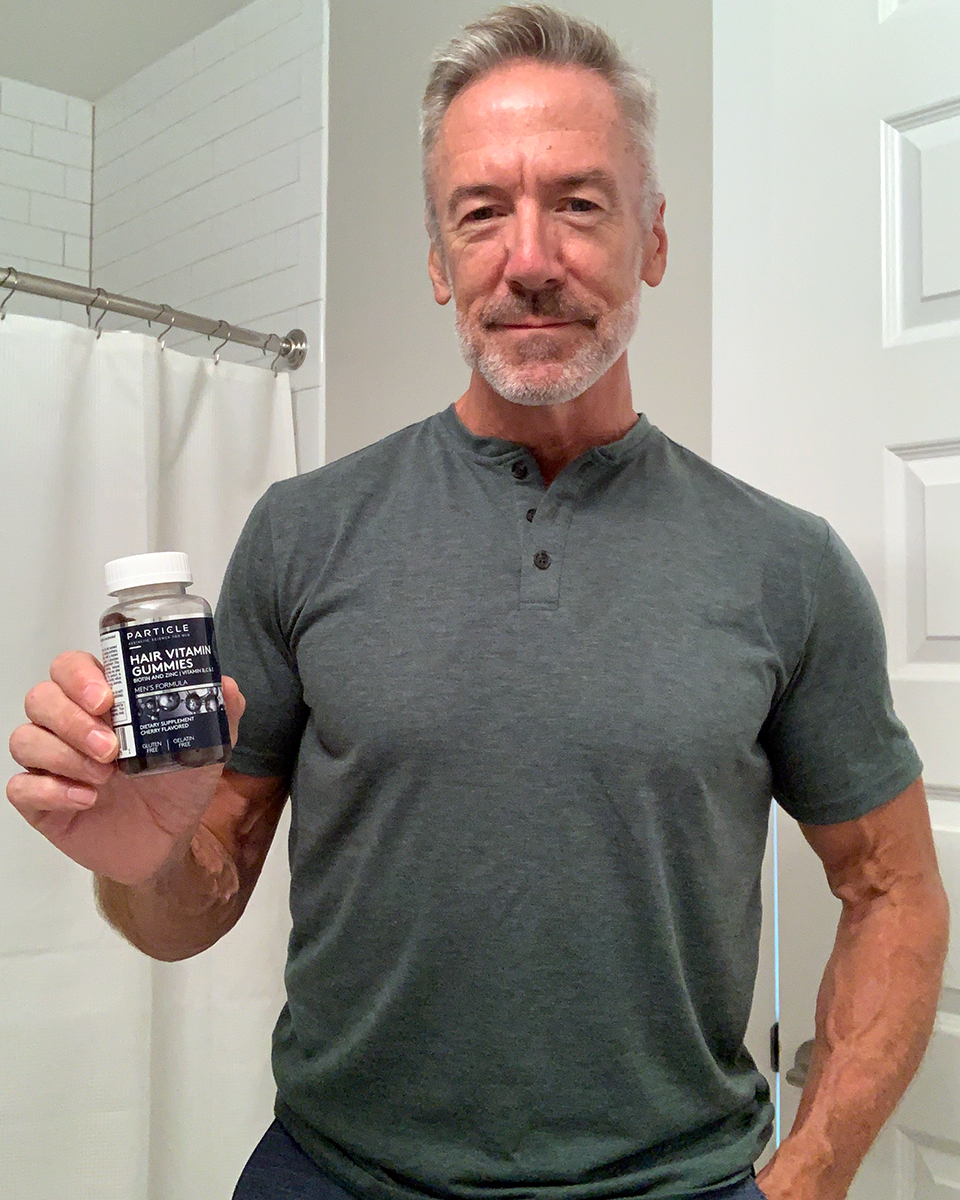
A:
[534,325]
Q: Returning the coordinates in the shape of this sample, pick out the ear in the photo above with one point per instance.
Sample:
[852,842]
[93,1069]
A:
[438,276]
[655,248]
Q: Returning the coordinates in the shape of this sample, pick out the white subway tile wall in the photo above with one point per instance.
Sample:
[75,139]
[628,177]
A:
[45,160]
[207,185]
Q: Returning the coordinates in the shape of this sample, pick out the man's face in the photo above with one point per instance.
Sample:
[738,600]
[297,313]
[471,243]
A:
[539,197]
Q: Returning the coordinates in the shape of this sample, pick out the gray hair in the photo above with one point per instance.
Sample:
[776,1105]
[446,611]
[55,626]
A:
[536,31]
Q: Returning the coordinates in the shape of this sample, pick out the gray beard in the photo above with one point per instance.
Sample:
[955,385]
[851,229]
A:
[590,361]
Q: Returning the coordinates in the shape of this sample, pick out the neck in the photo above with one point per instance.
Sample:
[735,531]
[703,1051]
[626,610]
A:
[556,434]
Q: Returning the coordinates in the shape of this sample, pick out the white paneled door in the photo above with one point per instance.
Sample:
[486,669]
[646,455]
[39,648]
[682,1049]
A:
[837,387]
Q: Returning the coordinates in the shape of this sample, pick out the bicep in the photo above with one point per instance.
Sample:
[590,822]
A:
[889,849]
[835,745]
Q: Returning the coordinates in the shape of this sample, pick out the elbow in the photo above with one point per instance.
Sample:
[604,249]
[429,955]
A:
[928,927]
[940,917]
[168,954]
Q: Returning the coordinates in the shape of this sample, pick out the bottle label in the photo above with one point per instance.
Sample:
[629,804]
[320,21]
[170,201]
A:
[166,686]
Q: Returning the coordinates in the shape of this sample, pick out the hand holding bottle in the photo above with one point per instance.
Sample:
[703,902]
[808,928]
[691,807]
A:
[118,825]
[104,779]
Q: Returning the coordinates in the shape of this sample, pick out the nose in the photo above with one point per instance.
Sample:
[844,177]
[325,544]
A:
[533,252]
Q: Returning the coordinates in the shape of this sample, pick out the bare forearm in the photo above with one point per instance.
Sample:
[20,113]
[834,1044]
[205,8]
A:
[189,904]
[202,888]
[875,1014]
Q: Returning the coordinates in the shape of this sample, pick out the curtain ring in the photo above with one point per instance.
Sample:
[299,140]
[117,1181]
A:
[159,318]
[216,333]
[273,365]
[13,288]
[106,305]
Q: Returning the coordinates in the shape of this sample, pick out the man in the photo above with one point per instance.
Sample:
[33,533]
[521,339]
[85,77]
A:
[530,673]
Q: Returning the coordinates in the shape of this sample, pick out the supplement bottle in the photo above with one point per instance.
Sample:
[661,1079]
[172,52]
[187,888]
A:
[160,659]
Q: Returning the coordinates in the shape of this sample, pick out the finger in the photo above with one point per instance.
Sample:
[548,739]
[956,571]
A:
[235,704]
[82,679]
[47,705]
[38,749]
[36,796]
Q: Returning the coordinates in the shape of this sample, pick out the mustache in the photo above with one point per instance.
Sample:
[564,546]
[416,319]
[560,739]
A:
[550,305]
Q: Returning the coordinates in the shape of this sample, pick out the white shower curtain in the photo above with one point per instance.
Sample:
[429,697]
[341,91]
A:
[122,1078]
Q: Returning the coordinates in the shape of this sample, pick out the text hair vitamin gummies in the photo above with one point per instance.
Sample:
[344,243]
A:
[160,659]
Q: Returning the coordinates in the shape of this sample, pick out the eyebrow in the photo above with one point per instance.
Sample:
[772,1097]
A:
[481,191]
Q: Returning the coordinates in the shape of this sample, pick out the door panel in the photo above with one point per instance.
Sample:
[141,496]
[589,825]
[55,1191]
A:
[836,372]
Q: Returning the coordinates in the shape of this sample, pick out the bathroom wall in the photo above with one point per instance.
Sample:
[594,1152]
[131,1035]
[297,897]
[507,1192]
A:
[45,156]
[392,357]
[207,185]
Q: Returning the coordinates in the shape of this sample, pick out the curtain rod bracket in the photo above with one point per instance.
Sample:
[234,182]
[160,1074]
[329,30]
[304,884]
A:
[294,348]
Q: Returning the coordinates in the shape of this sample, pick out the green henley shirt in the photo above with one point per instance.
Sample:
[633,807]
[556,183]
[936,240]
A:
[532,735]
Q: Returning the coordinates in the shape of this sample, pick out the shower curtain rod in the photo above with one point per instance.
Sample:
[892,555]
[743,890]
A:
[292,349]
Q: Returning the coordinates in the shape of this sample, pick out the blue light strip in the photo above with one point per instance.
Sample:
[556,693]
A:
[776,964]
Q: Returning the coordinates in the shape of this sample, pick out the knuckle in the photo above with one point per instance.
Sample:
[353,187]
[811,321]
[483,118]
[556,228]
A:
[39,698]
[16,791]
[62,662]
[31,798]
[17,742]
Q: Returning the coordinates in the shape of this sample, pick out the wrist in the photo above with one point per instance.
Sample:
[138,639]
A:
[199,876]
[803,1168]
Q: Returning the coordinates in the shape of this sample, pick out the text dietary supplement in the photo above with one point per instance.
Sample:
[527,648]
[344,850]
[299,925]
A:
[160,659]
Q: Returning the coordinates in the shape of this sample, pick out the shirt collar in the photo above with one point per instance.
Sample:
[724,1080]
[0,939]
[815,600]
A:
[498,451]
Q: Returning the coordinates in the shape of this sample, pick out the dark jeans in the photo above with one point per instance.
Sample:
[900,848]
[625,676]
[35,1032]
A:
[279,1170]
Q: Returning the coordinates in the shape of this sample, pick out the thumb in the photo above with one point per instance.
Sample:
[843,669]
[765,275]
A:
[234,703]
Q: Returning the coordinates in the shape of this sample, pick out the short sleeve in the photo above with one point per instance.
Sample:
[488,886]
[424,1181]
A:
[835,745]
[253,650]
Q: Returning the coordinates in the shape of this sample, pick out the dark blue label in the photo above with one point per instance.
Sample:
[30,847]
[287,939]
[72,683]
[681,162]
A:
[174,694]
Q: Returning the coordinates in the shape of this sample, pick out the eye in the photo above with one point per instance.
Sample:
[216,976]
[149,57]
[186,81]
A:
[484,213]
[580,204]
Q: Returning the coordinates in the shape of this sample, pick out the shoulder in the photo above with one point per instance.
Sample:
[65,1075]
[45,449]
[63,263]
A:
[356,476]
[735,513]
[323,506]
[304,523]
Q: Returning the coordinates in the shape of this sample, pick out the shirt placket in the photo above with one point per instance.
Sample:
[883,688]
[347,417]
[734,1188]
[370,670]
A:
[544,516]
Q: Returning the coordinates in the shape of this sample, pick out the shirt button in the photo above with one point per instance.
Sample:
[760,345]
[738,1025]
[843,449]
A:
[541,559]
[531,513]
[520,470]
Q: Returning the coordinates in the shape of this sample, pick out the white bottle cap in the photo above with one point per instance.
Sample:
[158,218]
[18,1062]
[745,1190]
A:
[140,570]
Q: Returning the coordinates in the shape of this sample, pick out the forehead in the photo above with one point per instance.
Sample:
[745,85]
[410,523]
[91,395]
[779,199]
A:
[528,113]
